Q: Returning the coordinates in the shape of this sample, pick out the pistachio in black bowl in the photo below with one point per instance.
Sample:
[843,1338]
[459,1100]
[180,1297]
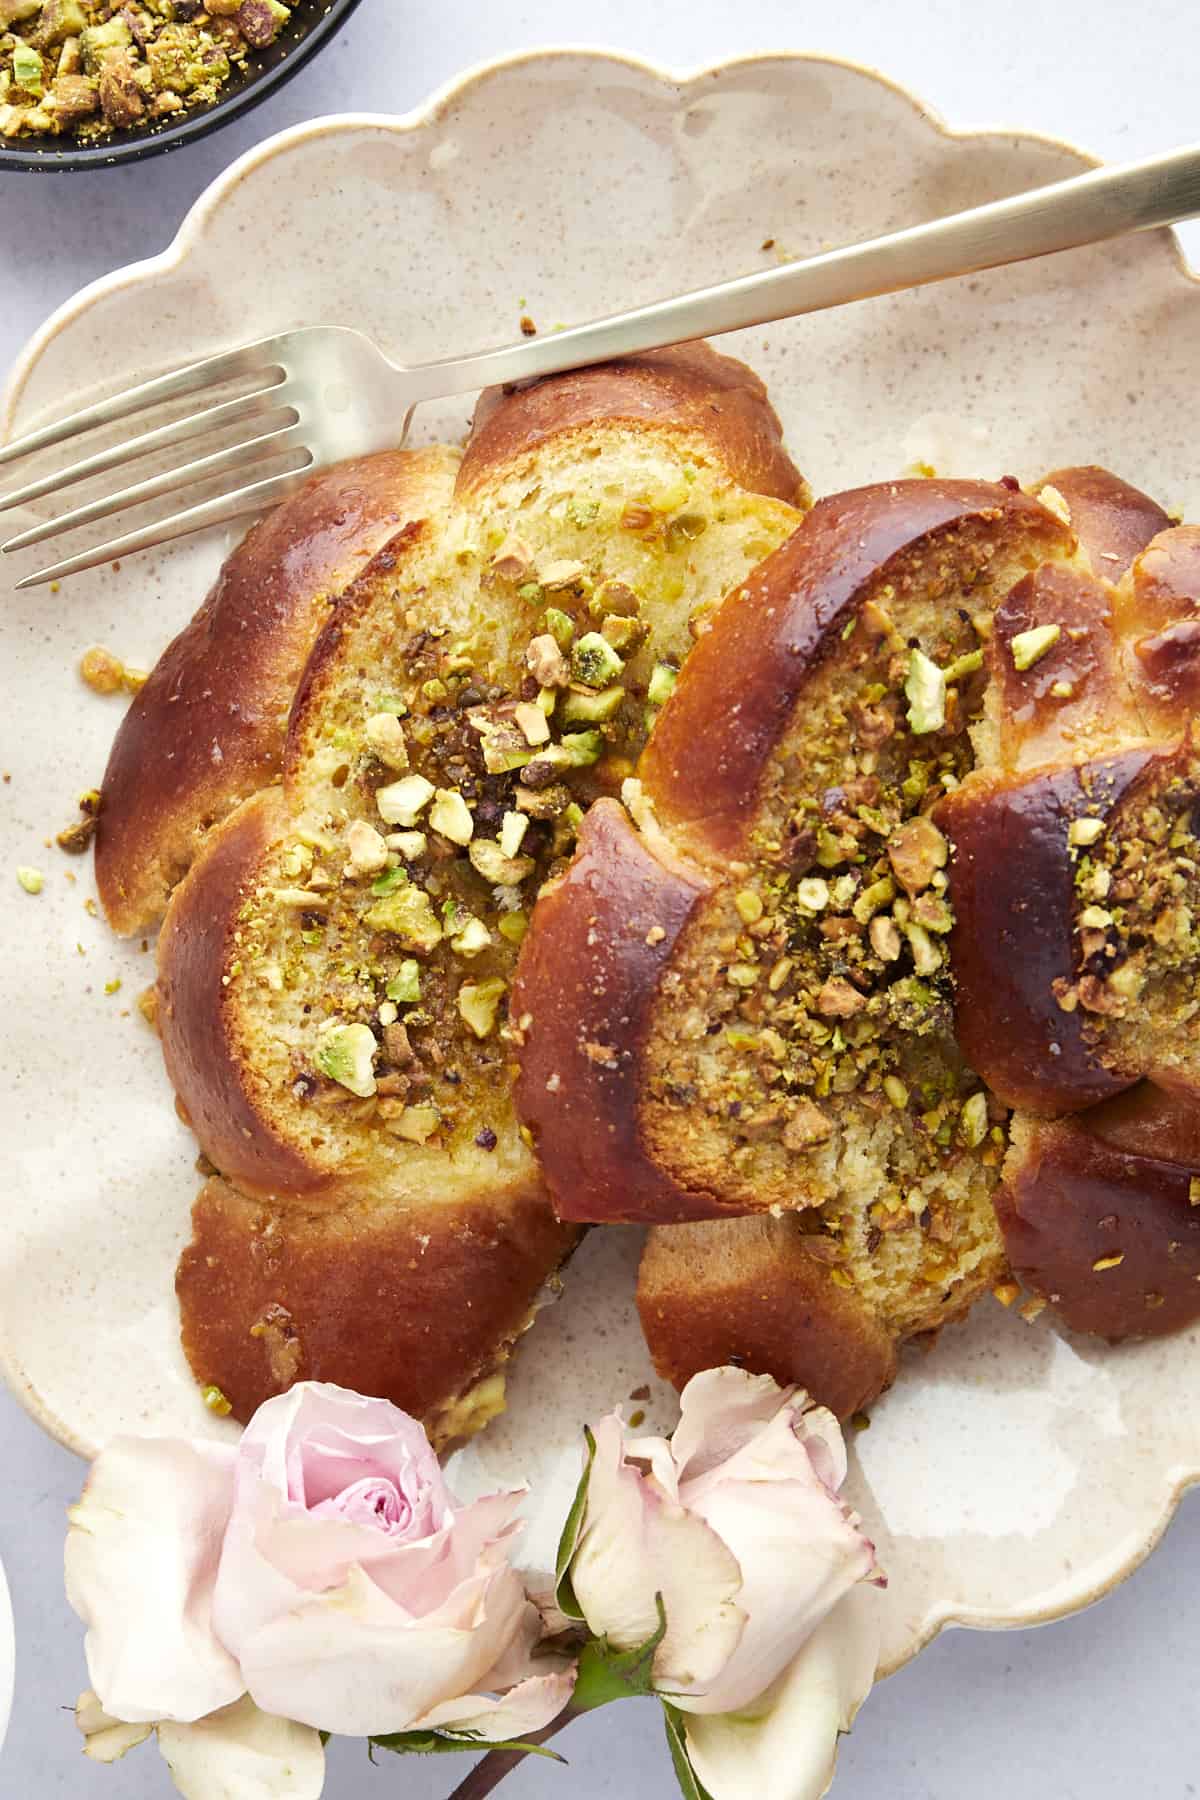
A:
[92,83]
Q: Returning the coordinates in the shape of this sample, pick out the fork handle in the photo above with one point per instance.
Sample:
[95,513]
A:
[1085,209]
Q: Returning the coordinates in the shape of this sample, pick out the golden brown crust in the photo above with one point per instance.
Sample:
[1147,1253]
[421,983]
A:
[196,1014]
[752,1292]
[1109,1235]
[1013,945]
[807,591]
[1113,520]
[690,388]
[584,998]
[207,729]
[415,1306]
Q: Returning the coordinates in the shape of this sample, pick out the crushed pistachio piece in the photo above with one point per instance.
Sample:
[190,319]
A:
[896,1091]
[813,892]
[114,986]
[405,984]
[576,751]
[471,937]
[973,1121]
[749,906]
[513,560]
[925,691]
[410,844]
[966,664]
[402,802]
[408,915]
[1054,502]
[489,860]
[450,816]
[1108,1262]
[513,926]
[513,827]
[346,1054]
[100,670]
[592,708]
[1095,918]
[1081,832]
[563,573]
[416,1124]
[216,1401]
[389,881]
[532,721]
[385,739]
[544,656]
[367,852]
[662,683]
[478,1004]
[1028,647]
[560,627]
[32,880]
[594,662]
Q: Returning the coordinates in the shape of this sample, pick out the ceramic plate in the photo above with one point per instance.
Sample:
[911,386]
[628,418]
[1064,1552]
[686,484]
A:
[1011,1475]
[8,1657]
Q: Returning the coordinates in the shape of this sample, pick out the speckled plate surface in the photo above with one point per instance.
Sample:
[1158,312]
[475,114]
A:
[1011,1475]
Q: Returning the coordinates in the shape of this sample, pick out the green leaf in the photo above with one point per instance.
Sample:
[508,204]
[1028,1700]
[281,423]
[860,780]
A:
[441,1743]
[689,1782]
[606,1674]
[568,1543]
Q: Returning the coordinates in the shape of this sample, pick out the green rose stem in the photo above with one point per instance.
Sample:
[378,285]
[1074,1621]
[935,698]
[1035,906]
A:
[491,1769]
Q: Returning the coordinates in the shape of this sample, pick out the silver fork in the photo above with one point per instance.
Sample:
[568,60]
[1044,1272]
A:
[325,392]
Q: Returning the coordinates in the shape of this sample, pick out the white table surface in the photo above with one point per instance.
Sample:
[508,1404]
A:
[1104,1705]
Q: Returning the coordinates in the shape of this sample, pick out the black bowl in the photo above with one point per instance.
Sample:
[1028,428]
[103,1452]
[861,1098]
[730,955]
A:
[266,70]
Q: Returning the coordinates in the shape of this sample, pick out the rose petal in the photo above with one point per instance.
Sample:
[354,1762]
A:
[141,1561]
[636,1542]
[721,1410]
[526,1708]
[106,1739]
[241,1753]
[785,1746]
[798,1548]
[351,1661]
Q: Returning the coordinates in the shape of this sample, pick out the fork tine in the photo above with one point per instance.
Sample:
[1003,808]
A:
[229,412]
[254,498]
[251,359]
[252,450]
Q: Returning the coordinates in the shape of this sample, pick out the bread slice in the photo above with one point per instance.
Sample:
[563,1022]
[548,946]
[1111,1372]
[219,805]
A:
[334,972]
[207,729]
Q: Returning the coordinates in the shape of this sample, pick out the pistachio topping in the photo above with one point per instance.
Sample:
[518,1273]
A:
[662,682]
[384,736]
[451,816]
[478,1004]
[367,851]
[513,827]
[31,880]
[416,1124]
[594,662]
[1081,832]
[403,801]
[405,985]
[410,844]
[346,1053]
[1028,647]
[532,722]
[925,691]
[408,914]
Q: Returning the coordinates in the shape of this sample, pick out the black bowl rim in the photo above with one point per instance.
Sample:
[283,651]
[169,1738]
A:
[196,125]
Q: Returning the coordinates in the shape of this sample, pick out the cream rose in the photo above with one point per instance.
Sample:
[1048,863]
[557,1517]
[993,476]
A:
[735,1522]
[321,1566]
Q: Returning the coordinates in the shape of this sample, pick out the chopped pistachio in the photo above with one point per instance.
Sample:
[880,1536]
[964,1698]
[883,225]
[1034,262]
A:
[925,690]
[562,574]
[346,1053]
[30,879]
[1081,832]
[472,937]
[513,827]
[401,802]
[544,657]
[594,662]
[531,591]
[489,860]
[410,844]
[392,703]
[389,1012]
[662,684]
[966,664]
[100,670]
[896,1091]
[592,708]
[513,560]
[451,816]
[624,634]
[873,899]
[389,881]
[560,627]
[1095,918]
[416,1124]
[1063,690]
[1029,647]
[749,905]
[813,892]
[743,975]
[27,68]
[478,1004]
[114,986]
[367,852]
[578,750]
[973,1121]
[1108,1262]
[385,739]
[532,721]
[927,958]
[408,915]
[513,926]
[405,984]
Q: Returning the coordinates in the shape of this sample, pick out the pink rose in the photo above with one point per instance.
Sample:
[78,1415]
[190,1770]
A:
[323,1567]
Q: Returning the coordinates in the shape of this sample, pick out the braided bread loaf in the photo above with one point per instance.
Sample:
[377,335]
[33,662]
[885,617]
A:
[770,954]
[333,971]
